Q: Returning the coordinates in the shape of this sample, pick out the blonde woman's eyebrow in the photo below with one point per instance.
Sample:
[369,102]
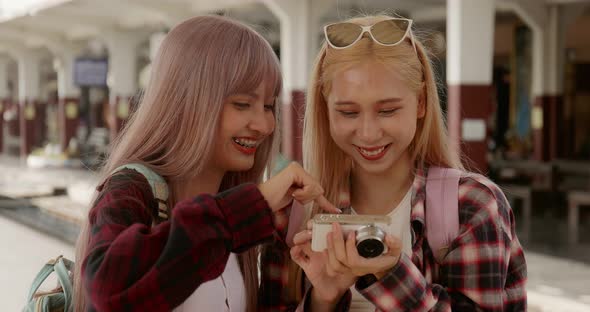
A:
[379,102]
[337,103]
[389,100]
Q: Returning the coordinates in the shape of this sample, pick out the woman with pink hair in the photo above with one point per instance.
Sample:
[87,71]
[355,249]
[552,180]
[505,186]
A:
[206,126]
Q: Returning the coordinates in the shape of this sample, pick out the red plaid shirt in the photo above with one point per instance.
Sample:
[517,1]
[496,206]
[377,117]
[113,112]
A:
[133,265]
[485,268]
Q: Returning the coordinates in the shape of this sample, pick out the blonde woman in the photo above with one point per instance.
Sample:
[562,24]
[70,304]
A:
[206,125]
[373,128]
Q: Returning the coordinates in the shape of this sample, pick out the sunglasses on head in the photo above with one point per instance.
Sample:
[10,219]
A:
[389,32]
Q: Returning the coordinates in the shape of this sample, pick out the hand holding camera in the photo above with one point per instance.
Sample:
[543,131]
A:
[327,288]
[335,264]
[344,257]
[369,232]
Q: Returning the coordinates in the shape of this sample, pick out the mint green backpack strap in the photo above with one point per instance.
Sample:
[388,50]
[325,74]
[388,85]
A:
[157,183]
[62,268]
[40,278]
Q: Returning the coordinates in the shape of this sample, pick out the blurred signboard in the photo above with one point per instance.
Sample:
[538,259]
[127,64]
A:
[90,72]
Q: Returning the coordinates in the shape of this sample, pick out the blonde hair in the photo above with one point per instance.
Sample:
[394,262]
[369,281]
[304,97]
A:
[201,62]
[322,157]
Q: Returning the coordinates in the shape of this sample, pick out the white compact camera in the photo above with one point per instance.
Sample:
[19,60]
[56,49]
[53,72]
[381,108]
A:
[369,229]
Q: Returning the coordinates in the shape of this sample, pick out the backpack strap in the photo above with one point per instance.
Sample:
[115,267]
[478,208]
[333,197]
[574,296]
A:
[157,183]
[61,266]
[297,217]
[442,209]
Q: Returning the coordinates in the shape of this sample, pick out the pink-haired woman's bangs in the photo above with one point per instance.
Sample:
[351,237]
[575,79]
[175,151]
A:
[261,65]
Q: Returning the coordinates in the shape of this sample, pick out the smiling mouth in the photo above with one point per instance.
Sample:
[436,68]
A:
[245,145]
[373,153]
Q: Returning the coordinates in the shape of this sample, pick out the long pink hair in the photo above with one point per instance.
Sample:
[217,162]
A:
[200,63]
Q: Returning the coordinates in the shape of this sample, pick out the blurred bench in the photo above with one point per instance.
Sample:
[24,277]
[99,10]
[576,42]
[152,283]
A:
[518,179]
[573,179]
[524,193]
[575,200]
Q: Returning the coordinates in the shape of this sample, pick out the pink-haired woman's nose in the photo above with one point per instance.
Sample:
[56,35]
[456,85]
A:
[262,123]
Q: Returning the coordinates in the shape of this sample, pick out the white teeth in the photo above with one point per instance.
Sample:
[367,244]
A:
[373,152]
[246,142]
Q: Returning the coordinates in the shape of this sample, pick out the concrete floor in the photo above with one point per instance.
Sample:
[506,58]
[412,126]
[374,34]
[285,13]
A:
[27,251]
[555,284]
[559,275]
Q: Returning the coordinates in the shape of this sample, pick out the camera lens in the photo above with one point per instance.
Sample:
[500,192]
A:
[369,241]
[370,248]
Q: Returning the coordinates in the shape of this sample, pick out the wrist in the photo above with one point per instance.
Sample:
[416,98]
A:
[384,272]
[366,281]
[280,217]
[380,275]
[265,190]
[262,189]
[324,299]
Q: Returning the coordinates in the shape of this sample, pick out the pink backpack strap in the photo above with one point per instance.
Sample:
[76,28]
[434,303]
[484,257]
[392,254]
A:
[442,209]
[296,219]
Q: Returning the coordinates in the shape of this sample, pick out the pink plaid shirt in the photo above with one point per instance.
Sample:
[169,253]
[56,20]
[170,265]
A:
[484,270]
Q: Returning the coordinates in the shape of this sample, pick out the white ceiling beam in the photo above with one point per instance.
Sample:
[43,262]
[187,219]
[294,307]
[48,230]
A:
[109,14]
[209,6]
[16,50]
[96,17]
[135,13]
[70,29]
[55,23]
[172,13]
[54,43]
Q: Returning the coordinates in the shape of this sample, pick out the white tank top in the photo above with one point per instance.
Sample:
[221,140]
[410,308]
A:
[225,293]
[399,227]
